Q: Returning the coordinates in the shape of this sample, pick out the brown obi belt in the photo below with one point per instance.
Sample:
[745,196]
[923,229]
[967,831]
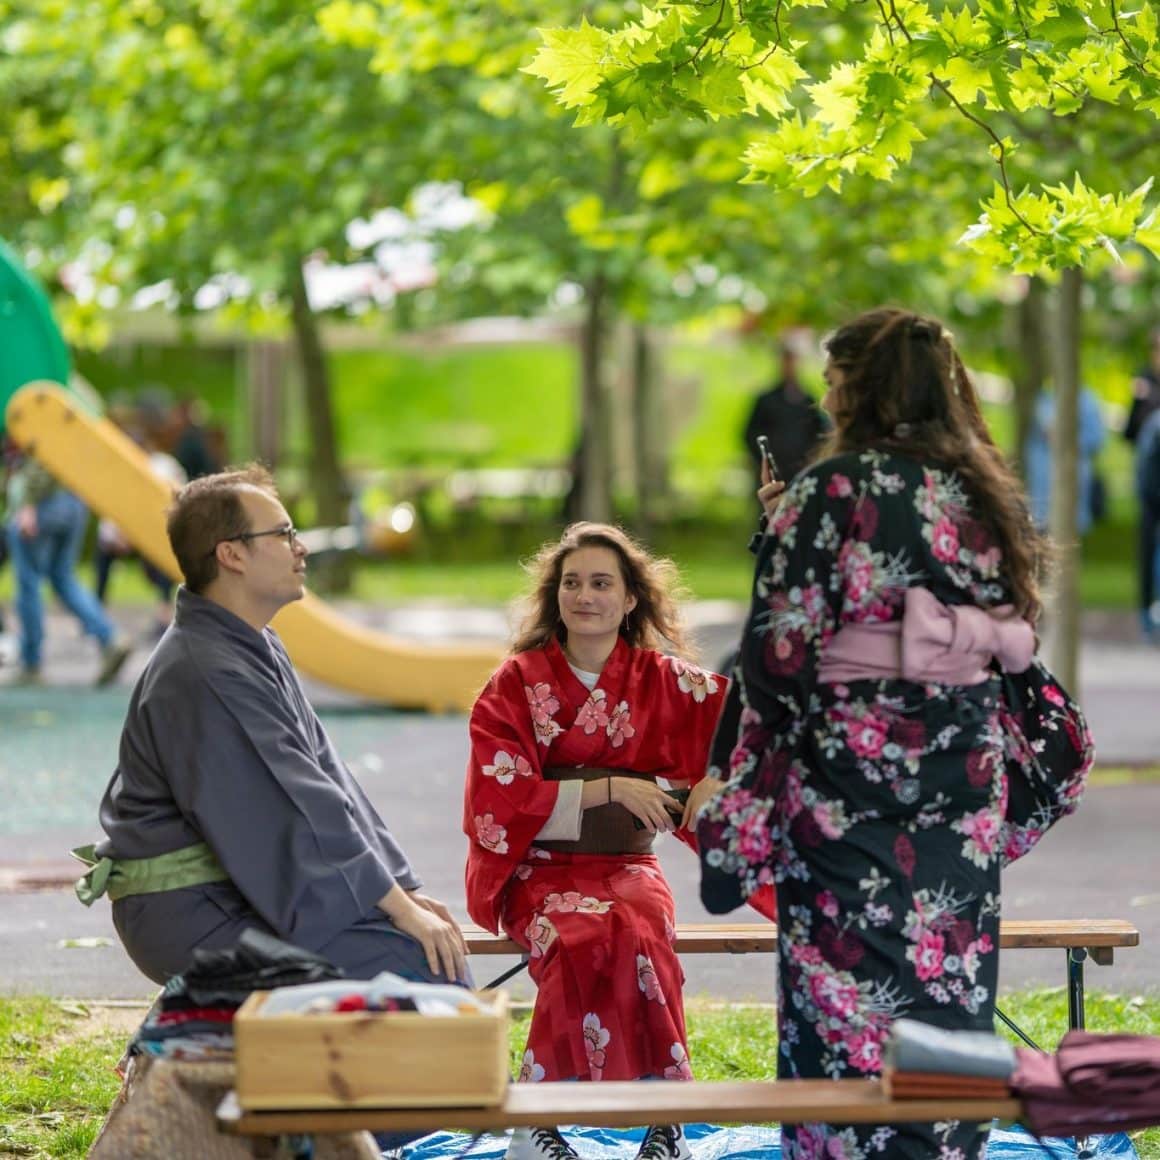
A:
[606,829]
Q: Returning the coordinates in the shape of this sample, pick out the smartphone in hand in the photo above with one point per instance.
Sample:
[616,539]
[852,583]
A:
[767,456]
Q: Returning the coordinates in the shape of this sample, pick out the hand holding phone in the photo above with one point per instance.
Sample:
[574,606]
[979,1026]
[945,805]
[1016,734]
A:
[769,493]
[767,456]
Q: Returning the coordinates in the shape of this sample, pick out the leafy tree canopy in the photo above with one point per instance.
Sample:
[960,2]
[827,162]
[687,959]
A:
[843,89]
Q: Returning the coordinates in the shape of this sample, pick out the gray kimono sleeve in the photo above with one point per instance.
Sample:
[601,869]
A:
[242,768]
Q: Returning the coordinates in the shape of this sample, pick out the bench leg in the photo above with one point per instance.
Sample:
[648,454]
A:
[1013,1026]
[1084,1147]
[1075,991]
[500,979]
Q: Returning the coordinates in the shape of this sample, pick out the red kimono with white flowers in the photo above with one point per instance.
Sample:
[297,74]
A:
[599,929]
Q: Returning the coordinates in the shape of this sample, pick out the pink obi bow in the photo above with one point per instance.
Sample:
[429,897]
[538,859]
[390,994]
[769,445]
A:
[933,642]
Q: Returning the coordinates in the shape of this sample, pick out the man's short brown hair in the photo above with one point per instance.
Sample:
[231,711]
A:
[207,511]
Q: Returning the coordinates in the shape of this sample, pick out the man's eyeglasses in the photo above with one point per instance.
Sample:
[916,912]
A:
[290,533]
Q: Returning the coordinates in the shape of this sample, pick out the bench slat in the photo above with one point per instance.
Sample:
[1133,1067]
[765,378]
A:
[630,1105]
[1068,932]
[761,938]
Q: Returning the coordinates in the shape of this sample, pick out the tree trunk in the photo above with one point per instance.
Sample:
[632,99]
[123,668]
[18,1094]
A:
[1065,614]
[650,435]
[324,476]
[595,451]
[1031,342]
[266,395]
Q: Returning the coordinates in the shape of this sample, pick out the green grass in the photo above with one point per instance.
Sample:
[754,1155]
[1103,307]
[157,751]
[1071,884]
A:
[483,565]
[1108,576]
[714,387]
[457,407]
[1125,775]
[57,1079]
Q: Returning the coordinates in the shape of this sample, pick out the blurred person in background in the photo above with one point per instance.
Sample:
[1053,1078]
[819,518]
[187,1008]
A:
[788,416]
[1037,455]
[193,443]
[1141,431]
[45,529]
[149,434]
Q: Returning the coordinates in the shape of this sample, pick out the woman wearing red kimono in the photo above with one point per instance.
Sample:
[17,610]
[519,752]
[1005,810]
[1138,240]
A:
[574,741]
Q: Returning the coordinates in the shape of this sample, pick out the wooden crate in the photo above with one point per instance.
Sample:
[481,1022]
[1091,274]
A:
[371,1059]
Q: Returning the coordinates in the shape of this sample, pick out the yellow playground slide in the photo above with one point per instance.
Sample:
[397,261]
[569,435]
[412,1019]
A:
[92,458]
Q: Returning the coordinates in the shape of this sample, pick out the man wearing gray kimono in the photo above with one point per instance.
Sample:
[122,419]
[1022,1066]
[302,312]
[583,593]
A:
[230,807]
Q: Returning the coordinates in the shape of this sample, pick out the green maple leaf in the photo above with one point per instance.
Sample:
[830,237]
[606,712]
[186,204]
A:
[571,61]
[838,99]
[1146,21]
[965,79]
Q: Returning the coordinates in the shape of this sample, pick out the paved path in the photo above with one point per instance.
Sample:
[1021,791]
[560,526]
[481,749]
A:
[58,747]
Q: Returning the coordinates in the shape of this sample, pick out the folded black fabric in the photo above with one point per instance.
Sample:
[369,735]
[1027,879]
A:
[919,1047]
[257,962]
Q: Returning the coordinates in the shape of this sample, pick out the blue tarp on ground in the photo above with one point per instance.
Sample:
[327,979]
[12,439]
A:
[712,1143]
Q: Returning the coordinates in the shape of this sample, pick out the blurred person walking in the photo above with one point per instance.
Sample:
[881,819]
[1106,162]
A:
[46,525]
[8,647]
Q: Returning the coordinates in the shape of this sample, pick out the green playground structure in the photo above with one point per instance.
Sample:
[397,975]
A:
[31,346]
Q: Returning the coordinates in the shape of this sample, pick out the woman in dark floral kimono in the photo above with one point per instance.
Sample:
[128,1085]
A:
[868,779]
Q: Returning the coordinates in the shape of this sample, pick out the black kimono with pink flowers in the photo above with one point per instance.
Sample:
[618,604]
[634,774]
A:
[878,808]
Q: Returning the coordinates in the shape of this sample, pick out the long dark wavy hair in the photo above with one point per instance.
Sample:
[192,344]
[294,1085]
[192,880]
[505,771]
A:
[904,389]
[654,622]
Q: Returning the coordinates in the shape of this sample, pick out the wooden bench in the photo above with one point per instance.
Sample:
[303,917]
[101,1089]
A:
[630,1105]
[1080,938]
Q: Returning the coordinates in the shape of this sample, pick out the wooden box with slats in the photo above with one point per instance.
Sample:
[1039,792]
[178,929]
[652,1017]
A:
[371,1059]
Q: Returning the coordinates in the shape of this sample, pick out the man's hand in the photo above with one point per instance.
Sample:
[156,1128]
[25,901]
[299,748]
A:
[705,789]
[440,910]
[430,924]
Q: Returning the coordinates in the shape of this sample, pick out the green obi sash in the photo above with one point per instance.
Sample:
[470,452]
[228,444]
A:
[119,877]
